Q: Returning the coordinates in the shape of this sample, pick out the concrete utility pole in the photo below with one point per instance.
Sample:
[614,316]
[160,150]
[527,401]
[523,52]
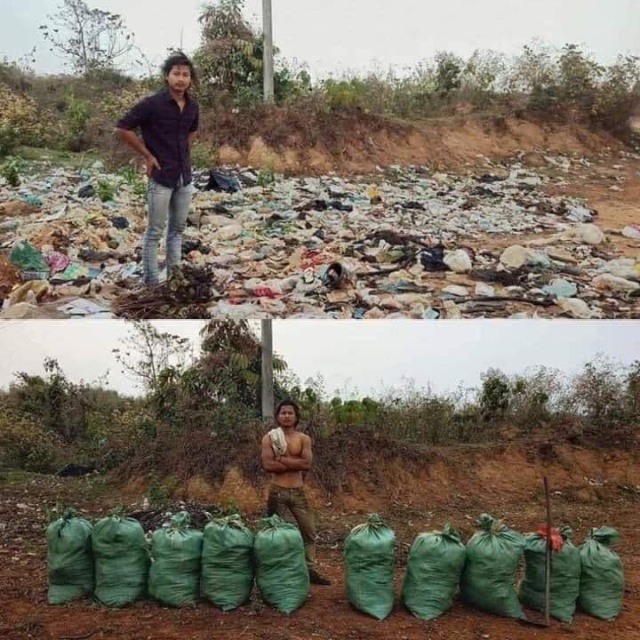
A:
[266,328]
[266,340]
[267,28]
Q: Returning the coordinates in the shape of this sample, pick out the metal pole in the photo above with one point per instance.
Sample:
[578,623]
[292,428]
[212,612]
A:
[267,28]
[267,370]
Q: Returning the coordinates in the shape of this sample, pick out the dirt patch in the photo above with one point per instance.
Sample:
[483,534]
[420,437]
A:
[228,155]
[616,209]
[9,276]
[17,208]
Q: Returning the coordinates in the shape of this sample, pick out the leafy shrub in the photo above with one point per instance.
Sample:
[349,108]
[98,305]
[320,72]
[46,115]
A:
[267,173]
[619,94]
[78,116]
[18,120]
[10,170]
[106,190]
[26,445]
[204,155]
[115,104]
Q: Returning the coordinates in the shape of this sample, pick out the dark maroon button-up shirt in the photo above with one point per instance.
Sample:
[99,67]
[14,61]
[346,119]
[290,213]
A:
[165,131]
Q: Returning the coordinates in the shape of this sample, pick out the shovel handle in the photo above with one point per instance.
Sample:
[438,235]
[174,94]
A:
[547,558]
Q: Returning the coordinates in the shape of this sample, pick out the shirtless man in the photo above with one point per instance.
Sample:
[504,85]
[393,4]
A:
[286,460]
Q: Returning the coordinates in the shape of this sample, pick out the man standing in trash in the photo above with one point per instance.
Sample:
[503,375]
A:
[168,122]
[286,453]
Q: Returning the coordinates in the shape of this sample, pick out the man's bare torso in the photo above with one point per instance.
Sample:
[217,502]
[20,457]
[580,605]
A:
[291,479]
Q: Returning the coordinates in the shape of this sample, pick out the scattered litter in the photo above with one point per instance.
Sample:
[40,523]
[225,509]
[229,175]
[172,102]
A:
[407,242]
[458,261]
[85,308]
[561,288]
[632,231]
[575,308]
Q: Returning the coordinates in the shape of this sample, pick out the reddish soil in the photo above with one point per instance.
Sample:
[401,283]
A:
[590,489]
[297,142]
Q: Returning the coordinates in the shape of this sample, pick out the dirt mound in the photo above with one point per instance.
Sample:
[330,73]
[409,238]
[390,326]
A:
[356,471]
[354,142]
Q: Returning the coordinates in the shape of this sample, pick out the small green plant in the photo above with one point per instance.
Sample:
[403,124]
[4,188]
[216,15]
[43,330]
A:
[10,171]
[229,508]
[132,177]
[204,156]
[9,140]
[267,174]
[78,115]
[157,493]
[106,191]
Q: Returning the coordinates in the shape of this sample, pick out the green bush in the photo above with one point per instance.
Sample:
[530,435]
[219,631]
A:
[78,116]
[10,170]
[106,190]
[204,155]
[618,95]
[345,94]
[26,445]
[19,121]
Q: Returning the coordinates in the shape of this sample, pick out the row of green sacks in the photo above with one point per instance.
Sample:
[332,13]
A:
[484,571]
[113,561]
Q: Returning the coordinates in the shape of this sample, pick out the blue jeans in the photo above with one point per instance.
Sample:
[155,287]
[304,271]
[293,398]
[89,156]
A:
[165,203]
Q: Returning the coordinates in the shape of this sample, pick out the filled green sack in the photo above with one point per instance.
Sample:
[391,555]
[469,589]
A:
[602,575]
[434,566]
[489,577]
[122,560]
[176,555]
[69,558]
[282,574]
[565,575]
[369,553]
[227,562]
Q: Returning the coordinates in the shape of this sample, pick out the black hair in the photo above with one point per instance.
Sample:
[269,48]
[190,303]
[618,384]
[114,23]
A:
[179,59]
[289,403]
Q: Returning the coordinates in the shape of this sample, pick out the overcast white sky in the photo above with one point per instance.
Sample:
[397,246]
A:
[335,35]
[357,355]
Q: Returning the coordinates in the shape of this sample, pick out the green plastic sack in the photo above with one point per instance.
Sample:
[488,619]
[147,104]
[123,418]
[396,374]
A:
[227,562]
[69,558]
[369,553]
[489,577]
[281,567]
[602,575]
[434,566]
[565,575]
[122,560]
[176,555]
[27,258]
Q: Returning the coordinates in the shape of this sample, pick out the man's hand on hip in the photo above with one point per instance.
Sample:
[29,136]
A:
[151,163]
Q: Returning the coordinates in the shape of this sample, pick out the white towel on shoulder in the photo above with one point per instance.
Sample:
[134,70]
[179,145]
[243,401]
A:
[278,441]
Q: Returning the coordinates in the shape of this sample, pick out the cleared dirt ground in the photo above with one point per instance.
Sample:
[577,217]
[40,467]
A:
[590,488]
